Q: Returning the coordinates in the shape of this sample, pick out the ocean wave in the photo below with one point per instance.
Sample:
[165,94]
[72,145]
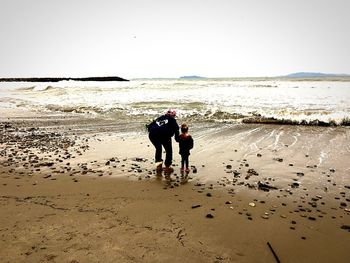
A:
[75,109]
[222,115]
[190,112]
[314,122]
[38,88]
[166,104]
[25,88]
[200,113]
[16,102]
[264,86]
[45,88]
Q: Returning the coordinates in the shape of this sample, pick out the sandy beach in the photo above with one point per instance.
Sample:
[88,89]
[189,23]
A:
[78,189]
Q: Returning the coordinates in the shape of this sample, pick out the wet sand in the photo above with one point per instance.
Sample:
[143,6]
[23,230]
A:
[82,190]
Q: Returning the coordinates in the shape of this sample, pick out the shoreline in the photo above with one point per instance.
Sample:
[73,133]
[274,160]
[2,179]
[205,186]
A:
[92,195]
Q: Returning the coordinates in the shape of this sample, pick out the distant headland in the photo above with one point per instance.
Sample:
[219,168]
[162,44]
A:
[314,75]
[192,77]
[48,79]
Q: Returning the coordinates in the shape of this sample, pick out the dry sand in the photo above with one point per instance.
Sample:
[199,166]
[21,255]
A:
[71,191]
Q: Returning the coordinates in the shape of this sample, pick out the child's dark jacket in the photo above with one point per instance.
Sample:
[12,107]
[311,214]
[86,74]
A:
[185,144]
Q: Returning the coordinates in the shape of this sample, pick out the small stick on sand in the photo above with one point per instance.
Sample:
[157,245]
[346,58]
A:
[273,252]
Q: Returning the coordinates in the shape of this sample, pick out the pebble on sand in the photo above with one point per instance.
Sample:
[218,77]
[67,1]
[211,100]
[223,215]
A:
[345,227]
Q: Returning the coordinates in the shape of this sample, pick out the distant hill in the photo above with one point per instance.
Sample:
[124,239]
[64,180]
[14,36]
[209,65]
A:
[48,79]
[314,75]
[192,77]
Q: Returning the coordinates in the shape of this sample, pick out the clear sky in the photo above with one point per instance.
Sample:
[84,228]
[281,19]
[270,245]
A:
[172,38]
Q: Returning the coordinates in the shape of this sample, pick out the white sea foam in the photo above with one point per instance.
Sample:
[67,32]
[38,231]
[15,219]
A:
[223,99]
[322,157]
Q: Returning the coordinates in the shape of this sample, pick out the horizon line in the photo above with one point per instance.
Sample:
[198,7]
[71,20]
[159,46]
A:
[304,74]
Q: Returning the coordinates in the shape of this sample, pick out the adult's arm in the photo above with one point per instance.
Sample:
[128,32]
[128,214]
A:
[191,143]
[176,131]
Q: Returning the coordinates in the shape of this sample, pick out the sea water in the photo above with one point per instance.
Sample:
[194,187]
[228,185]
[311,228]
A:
[201,99]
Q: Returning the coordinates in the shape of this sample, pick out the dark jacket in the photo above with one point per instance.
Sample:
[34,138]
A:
[185,144]
[164,127]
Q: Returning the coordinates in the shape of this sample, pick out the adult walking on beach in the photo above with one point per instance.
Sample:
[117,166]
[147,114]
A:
[160,132]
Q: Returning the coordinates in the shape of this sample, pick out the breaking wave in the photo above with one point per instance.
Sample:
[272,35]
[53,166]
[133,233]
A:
[226,100]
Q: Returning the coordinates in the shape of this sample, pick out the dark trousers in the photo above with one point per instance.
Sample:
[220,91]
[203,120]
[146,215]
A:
[184,160]
[158,142]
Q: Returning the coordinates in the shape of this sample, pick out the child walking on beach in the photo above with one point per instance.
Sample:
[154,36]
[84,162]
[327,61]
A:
[185,145]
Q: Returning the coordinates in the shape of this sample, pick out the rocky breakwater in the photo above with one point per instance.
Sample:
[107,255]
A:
[56,79]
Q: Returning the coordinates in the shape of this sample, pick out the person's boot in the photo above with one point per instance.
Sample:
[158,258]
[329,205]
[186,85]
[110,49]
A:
[168,170]
[159,168]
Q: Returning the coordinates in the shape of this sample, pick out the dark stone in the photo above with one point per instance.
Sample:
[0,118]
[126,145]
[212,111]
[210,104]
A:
[345,227]
[295,185]
[265,187]
[194,169]
[209,216]
[235,173]
[195,206]
[252,172]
